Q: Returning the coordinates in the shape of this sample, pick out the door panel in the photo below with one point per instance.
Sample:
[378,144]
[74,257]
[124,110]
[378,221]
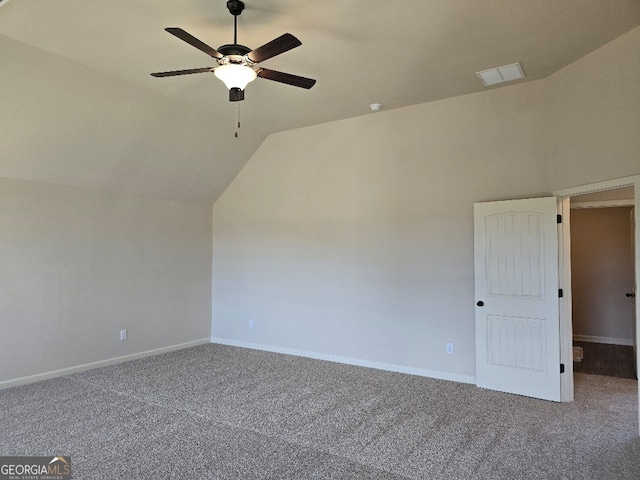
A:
[516,342]
[517,311]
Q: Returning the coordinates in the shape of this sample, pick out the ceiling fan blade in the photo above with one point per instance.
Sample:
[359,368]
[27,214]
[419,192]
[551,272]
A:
[287,78]
[182,72]
[191,40]
[275,47]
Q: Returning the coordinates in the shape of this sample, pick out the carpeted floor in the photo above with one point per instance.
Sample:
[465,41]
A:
[217,412]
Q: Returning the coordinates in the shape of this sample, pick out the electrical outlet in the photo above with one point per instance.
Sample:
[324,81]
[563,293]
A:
[250,324]
[123,334]
[449,348]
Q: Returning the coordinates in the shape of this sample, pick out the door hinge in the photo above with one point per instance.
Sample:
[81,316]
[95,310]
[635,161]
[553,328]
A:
[560,293]
[562,368]
[559,218]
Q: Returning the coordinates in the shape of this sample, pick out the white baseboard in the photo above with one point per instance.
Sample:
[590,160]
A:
[609,340]
[102,363]
[454,377]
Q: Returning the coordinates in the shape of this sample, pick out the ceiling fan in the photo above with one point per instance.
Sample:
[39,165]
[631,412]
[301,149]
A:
[237,64]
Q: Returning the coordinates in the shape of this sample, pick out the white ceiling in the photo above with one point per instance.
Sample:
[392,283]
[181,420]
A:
[393,52]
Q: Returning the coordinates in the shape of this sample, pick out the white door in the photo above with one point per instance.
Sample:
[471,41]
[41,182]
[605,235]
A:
[517,309]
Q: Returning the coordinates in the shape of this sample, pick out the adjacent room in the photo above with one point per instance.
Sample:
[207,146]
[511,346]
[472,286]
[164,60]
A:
[602,256]
[280,280]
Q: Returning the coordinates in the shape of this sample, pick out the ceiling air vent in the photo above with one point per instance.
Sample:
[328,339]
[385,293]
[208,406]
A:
[497,75]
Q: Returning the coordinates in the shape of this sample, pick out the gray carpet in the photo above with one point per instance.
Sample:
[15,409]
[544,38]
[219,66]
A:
[217,412]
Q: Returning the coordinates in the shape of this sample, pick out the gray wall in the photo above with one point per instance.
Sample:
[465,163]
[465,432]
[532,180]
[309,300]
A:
[78,266]
[354,239]
[602,273]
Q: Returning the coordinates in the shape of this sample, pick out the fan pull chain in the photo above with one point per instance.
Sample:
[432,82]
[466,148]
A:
[237,118]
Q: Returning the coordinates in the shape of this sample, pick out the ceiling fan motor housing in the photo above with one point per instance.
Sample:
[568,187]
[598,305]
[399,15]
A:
[233,49]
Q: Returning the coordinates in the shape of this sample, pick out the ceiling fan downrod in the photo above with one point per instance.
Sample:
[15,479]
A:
[235,8]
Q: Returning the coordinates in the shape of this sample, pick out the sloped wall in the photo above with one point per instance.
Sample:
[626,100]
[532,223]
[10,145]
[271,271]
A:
[68,124]
[592,116]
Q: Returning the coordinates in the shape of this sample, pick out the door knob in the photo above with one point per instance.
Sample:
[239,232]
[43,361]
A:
[631,295]
[480,303]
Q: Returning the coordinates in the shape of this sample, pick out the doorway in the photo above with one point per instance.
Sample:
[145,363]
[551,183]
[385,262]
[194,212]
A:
[566,328]
[602,268]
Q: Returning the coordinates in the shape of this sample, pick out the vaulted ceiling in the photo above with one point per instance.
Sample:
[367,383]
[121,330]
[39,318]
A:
[393,52]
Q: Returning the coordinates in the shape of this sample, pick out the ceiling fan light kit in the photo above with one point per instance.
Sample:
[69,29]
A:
[234,75]
[237,64]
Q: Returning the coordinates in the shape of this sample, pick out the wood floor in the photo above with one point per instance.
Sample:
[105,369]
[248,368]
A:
[603,359]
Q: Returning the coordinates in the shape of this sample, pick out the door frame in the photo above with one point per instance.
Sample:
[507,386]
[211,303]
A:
[566,329]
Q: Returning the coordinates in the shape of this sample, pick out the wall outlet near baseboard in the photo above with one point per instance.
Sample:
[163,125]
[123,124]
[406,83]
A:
[124,334]
[449,348]
[250,324]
